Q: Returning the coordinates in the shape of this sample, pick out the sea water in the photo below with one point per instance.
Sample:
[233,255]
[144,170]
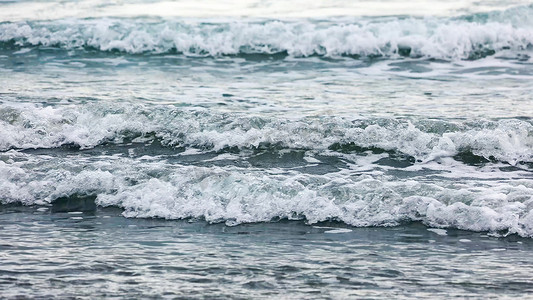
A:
[265,149]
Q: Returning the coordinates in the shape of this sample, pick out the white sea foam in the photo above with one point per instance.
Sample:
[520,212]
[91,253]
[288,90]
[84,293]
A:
[389,37]
[35,10]
[26,126]
[438,231]
[239,195]
[340,230]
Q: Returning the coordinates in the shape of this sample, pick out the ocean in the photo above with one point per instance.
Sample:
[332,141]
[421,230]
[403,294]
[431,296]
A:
[263,149]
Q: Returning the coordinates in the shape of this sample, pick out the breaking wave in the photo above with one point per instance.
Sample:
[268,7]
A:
[86,126]
[468,37]
[360,193]
[154,189]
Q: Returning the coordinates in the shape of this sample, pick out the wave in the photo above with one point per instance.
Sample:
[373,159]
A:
[154,189]
[360,193]
[86,126]
[468,37]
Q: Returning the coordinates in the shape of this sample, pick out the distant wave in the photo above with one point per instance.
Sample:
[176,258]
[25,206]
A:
[467,37]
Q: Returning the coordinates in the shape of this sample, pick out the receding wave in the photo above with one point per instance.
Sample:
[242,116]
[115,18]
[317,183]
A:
[457,38]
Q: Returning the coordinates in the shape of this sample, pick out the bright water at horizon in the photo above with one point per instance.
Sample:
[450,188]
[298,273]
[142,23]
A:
[253,148]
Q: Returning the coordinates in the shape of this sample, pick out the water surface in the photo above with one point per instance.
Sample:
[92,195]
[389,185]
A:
[254,149]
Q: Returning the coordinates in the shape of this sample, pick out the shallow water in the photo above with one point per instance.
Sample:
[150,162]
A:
[258,149]
[99,253]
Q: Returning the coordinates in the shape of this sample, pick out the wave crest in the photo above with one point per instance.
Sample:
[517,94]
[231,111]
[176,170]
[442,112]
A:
[87,126]
[389,37]
[236,195]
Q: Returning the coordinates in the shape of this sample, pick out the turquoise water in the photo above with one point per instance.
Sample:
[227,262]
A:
[264,150]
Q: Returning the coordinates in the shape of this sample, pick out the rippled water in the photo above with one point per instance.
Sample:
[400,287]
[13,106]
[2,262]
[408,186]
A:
[101,254]
[258,149]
